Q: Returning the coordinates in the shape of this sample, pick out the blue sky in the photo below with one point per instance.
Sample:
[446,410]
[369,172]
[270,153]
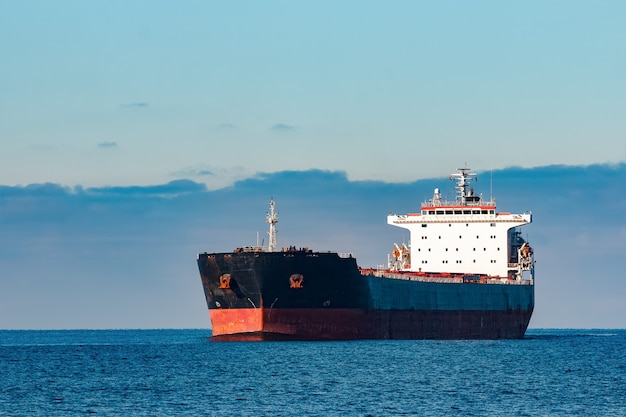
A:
[144,92]
[135,134]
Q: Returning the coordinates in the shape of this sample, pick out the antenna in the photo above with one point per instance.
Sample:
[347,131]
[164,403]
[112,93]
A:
[491,186]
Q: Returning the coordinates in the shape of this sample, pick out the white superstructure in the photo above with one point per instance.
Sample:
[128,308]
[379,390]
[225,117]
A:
[466,236]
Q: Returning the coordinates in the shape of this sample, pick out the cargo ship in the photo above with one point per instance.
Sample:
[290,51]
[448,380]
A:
[466,273]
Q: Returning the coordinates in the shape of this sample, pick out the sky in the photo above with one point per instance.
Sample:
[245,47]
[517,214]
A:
[104,93]
[134,135]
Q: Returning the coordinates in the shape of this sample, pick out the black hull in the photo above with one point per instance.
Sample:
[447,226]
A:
[321,296]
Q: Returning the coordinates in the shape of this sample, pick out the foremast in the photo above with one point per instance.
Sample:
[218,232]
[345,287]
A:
[272,219]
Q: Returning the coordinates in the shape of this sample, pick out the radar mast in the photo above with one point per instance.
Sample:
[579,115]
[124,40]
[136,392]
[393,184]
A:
[462,178]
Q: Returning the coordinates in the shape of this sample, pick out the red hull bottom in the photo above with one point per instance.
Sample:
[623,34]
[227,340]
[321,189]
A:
[352,324]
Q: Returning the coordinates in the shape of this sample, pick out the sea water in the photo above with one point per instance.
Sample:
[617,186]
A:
[183,373]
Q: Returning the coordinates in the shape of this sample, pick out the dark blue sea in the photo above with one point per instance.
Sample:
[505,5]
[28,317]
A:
[183,373]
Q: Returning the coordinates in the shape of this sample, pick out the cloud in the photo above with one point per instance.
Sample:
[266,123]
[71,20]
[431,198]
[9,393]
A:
[135,246]
[214,177]
[281,127]
[171,189]
[136,105]
[191,172]
[107,145]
